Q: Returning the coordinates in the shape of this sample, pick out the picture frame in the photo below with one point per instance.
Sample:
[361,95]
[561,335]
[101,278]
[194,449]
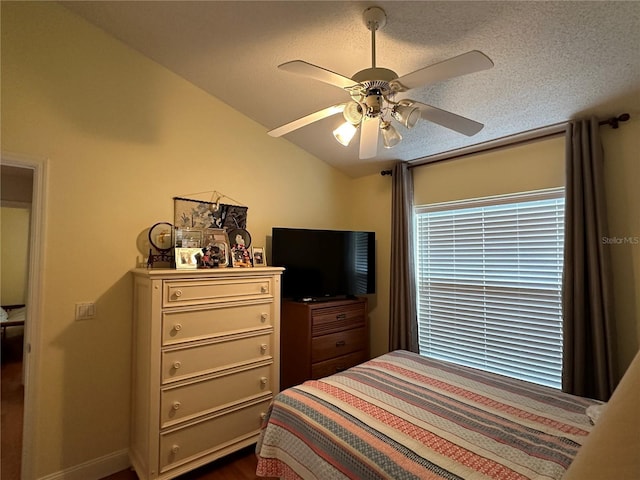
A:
[187,258]
[215,248]
[259,257]
[239,236]
[240,256]
[188,238]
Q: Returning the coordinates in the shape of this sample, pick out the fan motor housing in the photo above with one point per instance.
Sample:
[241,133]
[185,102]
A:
[375,73]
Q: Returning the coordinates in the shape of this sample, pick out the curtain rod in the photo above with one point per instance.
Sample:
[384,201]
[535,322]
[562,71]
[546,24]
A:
[508,141]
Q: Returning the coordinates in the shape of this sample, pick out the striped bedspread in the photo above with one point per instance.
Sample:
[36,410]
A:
[402,416]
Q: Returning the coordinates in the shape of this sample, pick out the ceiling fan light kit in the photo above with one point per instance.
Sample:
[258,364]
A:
[373,90]
[345,133]
[390,136]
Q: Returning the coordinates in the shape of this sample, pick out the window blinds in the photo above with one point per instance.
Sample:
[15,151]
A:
[489,283]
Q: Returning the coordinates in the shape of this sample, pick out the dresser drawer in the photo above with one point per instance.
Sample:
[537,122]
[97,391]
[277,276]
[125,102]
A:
[183,363]
[333,319]
[196,440]
[337,344]
[187,325]
[339,364]
[194,292]
[199,398]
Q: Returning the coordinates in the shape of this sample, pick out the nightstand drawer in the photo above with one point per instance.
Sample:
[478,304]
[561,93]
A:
[334,319]
[195,292]
[207,396]
[336,344]
[199,439]
[187,325]
[335,365]
[183,363]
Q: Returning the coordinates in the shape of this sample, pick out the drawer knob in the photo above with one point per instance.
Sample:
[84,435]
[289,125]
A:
[263,347]
[178,293]
[340,343]
[177,365]
[176,405]
[264,289]
[177,327]
[263,380]
[263,415]
[264,317]
[175,449]
[341,316]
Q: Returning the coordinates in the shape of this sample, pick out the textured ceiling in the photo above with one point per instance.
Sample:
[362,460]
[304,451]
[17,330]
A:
[553,61]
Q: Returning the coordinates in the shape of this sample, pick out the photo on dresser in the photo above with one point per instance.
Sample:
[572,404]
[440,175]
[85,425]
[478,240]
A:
[259,258]
[188,258]
[188,238]
[240,256]
[215,248]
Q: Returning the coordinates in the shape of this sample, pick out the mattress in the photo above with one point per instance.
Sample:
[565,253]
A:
[404,416]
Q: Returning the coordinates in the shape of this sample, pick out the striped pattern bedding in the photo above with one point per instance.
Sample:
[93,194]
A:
[402,416]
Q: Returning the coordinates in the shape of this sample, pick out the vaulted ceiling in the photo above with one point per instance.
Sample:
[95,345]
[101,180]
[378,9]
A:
[553,61]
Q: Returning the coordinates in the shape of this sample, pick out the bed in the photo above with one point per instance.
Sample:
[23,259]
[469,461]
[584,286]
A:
[11,316]
[403,416]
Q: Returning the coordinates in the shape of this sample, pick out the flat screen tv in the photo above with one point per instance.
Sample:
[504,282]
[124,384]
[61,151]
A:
[324,264]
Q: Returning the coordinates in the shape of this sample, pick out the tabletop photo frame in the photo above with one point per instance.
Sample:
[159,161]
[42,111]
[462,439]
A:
[188,258]
[259,257]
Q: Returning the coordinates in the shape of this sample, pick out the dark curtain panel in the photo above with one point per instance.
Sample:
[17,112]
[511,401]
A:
[588,353]
[403,324]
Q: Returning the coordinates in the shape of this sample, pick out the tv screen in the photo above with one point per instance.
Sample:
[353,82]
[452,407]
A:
[324,264]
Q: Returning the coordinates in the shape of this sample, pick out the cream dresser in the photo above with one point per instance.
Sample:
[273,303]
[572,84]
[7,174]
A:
[205,364]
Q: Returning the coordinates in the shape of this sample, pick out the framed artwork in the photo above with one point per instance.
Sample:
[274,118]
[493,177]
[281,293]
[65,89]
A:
[188,258]
[197,214]
[235,216]
[215,248]
[259,258]
[239,236]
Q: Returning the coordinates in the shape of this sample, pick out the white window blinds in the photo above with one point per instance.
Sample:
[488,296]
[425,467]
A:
[489,277]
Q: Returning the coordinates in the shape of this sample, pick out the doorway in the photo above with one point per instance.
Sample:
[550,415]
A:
[15,206]
[22,190]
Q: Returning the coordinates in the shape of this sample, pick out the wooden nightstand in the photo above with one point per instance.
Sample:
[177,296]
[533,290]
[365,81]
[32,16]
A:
[322,338]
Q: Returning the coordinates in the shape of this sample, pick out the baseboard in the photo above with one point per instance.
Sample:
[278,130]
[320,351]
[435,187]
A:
[94,469]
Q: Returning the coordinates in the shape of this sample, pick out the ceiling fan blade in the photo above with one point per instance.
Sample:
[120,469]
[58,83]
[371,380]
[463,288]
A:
[470,62]
[449,120]
[305,69]
[369,137]
[306,120]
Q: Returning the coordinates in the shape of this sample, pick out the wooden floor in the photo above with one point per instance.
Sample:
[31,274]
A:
[12,403]
[237,466]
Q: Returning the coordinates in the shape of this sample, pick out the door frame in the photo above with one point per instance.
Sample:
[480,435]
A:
[35,294]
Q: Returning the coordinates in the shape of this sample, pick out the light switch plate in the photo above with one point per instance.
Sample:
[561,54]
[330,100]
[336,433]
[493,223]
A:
[85,311]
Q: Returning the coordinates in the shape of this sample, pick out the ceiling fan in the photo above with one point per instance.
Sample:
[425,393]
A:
[373,90]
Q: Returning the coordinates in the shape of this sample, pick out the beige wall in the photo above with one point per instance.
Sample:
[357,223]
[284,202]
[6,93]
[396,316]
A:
[531,166]
[622,172]
[370,200]
[123,136]
[14,251]
[541,165]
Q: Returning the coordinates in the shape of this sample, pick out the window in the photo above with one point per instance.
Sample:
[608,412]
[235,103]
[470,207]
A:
[489,275]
